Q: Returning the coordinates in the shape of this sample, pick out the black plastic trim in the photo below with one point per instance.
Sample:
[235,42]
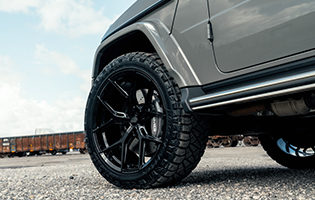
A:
[187,93]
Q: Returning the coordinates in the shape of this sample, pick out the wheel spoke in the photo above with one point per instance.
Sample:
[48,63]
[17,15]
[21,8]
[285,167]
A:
[123,158]
[115,113]
[119,88]
[124,146]
[143,134]
[116,144]
[141,153]
[127,133]
[153,113]
[297,151]
[153,139]
[103,126]
[142,131]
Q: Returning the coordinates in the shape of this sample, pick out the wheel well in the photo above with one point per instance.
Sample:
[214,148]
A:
[131,42]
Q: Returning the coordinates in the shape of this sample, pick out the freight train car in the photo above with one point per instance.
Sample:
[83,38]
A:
[231,141]
[39,144]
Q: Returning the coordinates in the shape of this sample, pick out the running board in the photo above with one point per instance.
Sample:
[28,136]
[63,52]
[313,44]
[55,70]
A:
[259,96]
[283,84]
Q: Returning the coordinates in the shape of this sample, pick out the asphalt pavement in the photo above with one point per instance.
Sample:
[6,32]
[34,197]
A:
[223,173]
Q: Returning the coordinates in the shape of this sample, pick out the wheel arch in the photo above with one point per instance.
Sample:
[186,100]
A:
[147,37]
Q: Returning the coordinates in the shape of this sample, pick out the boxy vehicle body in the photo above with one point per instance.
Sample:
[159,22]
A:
[170,72]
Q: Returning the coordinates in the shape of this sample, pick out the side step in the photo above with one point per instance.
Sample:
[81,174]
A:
[258,96]
[289,82]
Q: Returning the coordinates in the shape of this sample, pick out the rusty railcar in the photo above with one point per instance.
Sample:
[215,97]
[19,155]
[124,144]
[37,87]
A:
[39,144]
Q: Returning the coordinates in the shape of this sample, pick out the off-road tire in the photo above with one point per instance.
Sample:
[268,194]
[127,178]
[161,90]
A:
[195,150]
[269,143]
[183,143]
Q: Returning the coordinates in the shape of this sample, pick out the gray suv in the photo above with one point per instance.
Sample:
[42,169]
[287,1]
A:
[170,73]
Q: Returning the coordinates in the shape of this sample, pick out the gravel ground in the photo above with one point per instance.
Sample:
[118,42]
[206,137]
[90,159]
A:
[225,173]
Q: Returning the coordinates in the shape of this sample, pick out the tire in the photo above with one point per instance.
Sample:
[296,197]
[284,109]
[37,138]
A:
[251,141]
[137,133]
[82,151]
[54,152]
[21,154]
[194,151]
[234,143]
[229,141]
[289,151]
[214,142]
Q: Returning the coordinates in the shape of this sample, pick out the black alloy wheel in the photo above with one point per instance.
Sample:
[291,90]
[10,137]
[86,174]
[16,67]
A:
[130,124]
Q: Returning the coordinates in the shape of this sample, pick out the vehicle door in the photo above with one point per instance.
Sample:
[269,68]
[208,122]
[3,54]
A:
[248,33]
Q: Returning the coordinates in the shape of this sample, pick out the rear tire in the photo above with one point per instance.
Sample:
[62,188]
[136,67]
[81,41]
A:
[137,132]
[289,152]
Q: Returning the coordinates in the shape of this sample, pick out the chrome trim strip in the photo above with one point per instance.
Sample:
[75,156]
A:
[259,96]
[253,87]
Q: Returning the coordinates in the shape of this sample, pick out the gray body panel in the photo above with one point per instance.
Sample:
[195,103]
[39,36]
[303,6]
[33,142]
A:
[180,39]
[191,35]
[250,32]
[137,9]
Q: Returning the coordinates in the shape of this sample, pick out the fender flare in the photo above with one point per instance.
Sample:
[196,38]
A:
[165,46]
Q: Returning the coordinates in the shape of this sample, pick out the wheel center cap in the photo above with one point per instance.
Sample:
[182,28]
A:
[134,120]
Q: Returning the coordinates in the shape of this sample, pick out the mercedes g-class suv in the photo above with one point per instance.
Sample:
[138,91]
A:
[169,73]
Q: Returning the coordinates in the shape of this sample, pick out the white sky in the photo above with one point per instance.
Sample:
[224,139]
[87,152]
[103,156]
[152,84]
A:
[46,56]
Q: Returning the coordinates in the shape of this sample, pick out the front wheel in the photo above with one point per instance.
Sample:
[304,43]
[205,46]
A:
[296,151]
[137,132]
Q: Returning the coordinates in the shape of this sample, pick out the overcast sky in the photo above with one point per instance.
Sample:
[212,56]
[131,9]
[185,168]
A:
[46,56]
